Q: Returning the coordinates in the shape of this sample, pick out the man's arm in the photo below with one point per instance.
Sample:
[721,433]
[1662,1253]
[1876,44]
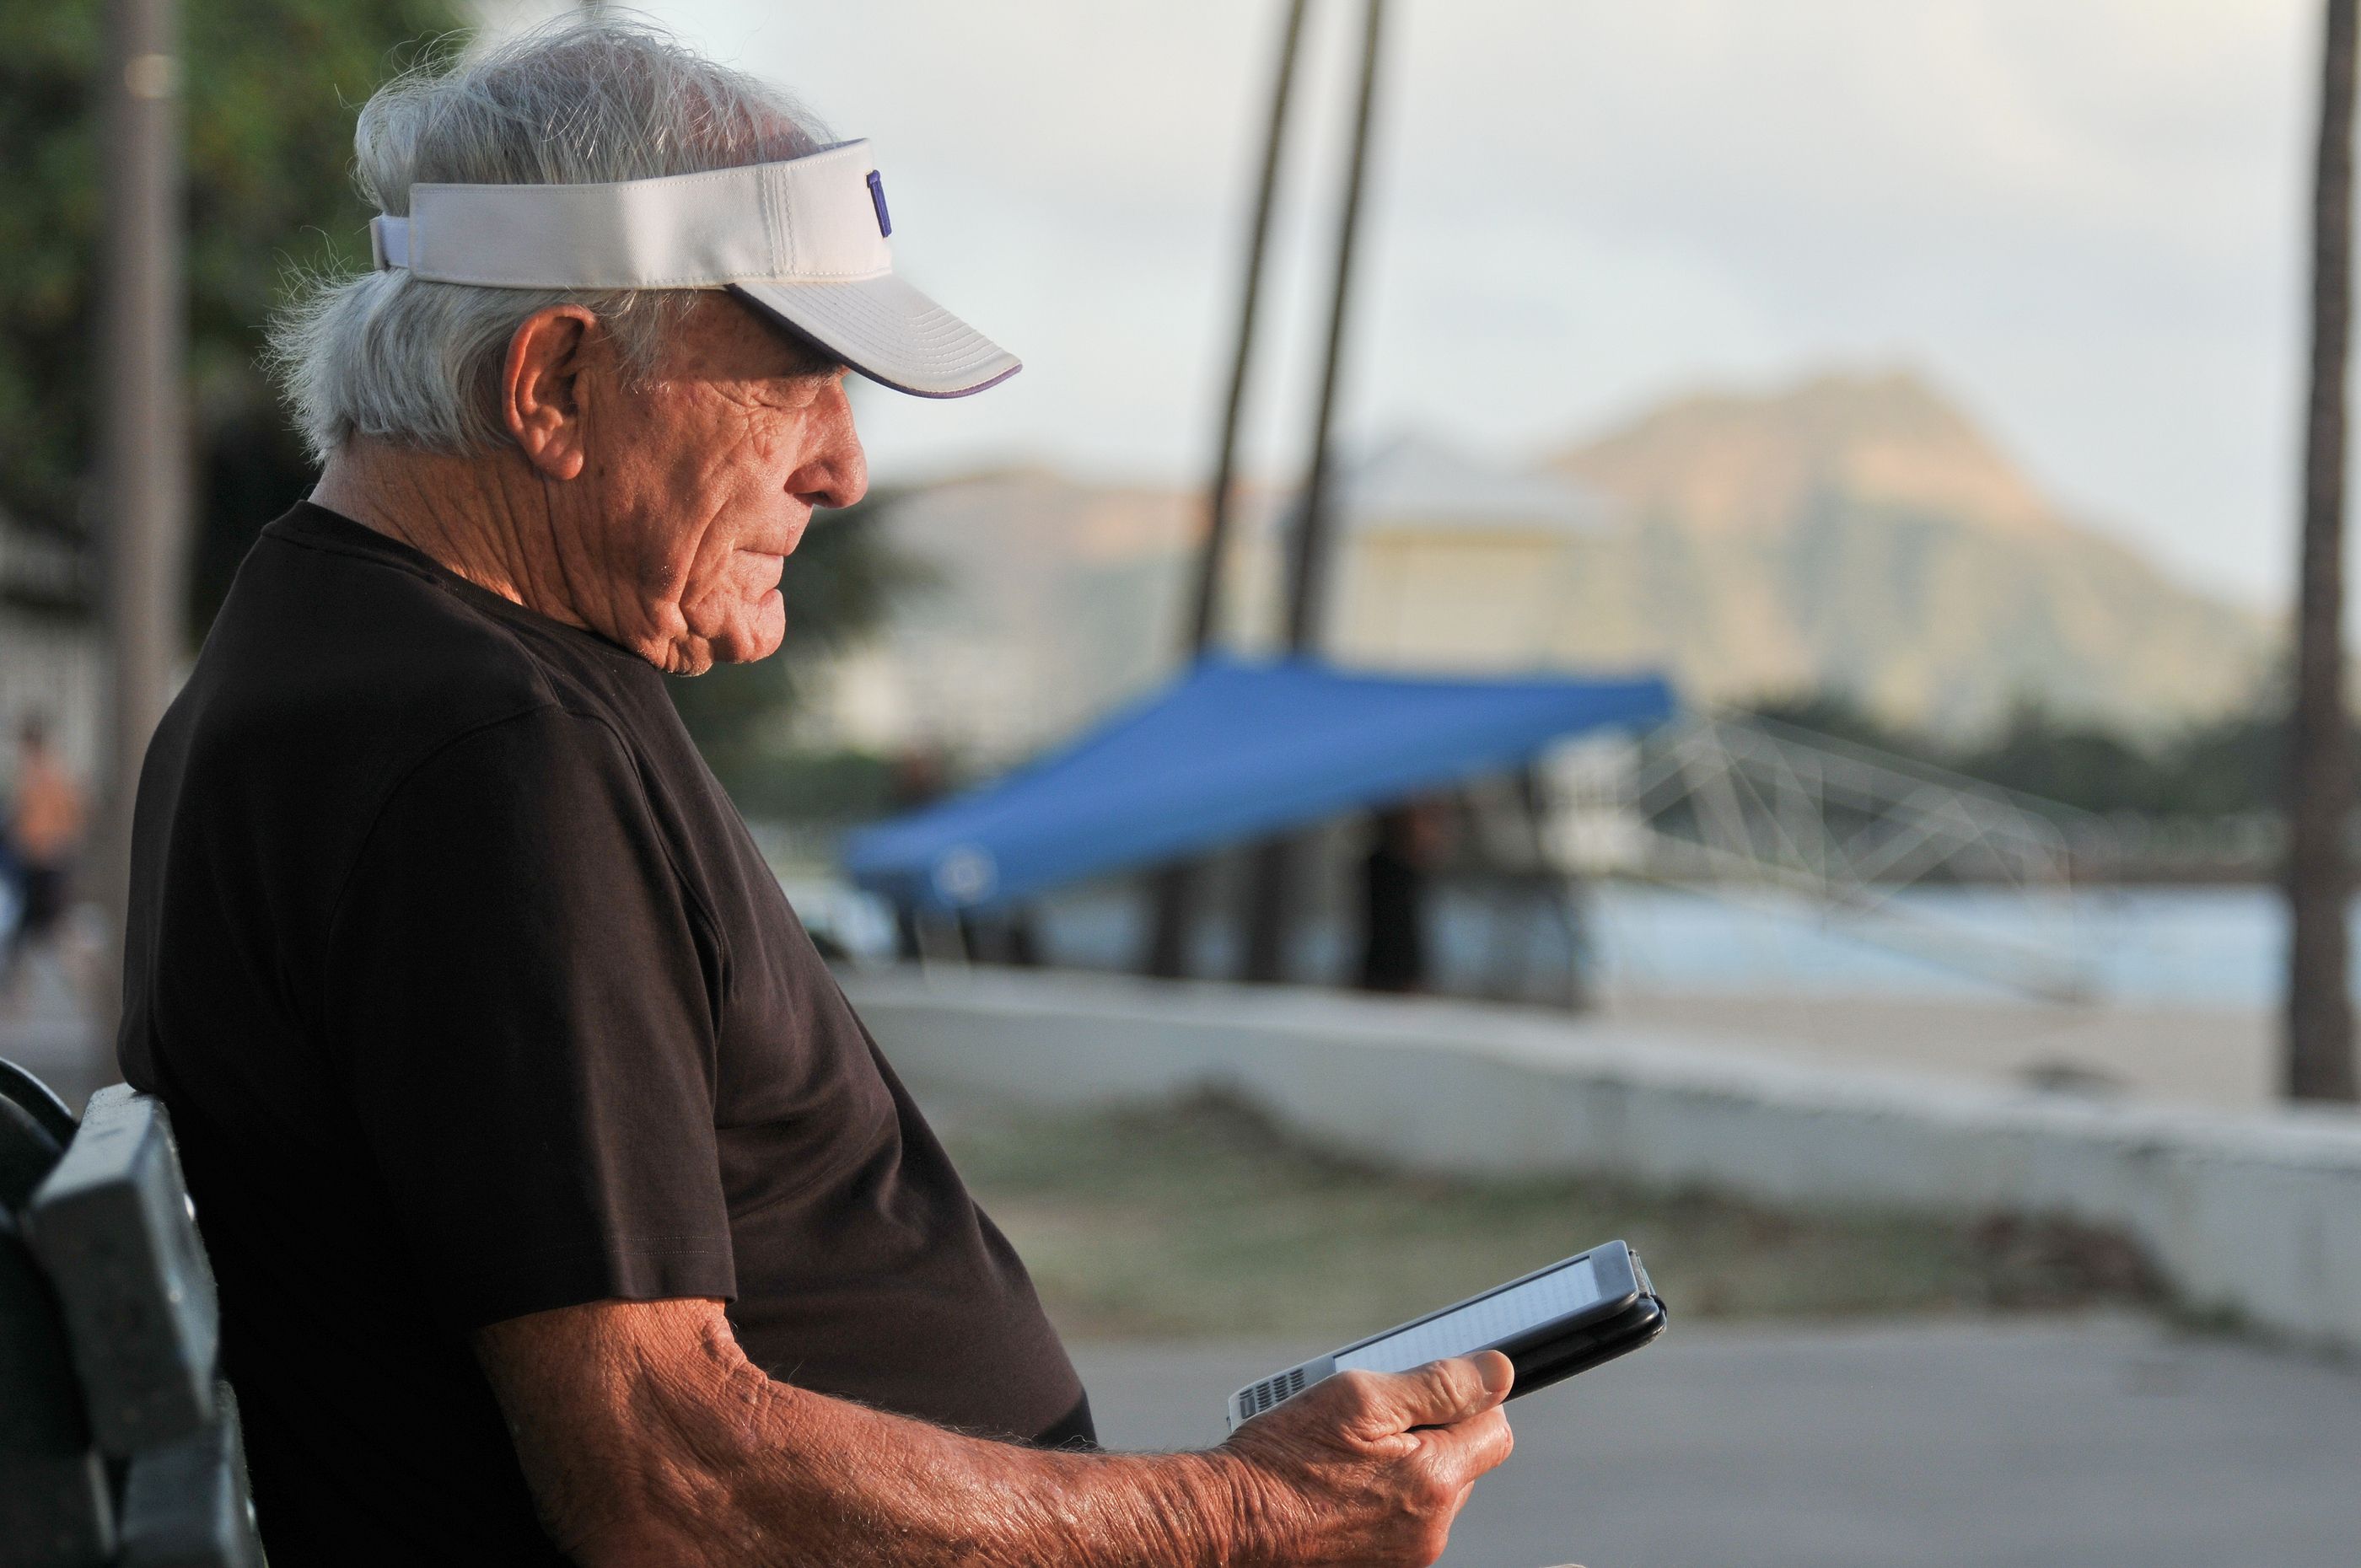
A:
[649,1439]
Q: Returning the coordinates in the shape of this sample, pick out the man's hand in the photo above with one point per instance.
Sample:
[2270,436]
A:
[1372,1467]
[650,1441]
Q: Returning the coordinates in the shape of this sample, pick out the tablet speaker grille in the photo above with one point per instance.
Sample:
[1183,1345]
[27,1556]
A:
[1272,1390]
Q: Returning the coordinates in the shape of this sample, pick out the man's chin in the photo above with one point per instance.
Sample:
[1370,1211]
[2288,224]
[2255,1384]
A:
[759,639]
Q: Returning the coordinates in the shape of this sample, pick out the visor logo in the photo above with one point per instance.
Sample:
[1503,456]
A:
[877,200]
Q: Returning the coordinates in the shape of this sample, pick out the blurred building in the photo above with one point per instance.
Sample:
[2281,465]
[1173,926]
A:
[1851,533]
[1051,599]
[1047,600]
[1445,562]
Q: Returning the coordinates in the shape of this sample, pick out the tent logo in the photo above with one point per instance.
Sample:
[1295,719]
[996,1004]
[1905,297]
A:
[966,874]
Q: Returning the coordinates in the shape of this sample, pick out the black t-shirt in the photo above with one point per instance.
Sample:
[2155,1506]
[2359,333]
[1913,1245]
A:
[470,997]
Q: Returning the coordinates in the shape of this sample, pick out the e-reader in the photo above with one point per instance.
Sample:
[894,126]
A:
[1550,1324]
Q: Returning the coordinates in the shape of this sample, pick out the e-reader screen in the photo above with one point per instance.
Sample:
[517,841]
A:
[1473,1325]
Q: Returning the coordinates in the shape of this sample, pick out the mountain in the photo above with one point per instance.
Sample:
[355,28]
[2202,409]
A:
[1736,465]
[1859,533]
[1853,533]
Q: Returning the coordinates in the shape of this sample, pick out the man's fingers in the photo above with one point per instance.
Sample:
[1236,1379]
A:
[1474,1447]
[1444,1392]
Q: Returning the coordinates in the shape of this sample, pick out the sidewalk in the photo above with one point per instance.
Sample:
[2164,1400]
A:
[2219,1058]
[2101,1444]
[46,1030]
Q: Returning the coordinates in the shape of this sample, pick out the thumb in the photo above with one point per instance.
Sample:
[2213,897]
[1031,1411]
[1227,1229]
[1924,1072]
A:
[1443,1393]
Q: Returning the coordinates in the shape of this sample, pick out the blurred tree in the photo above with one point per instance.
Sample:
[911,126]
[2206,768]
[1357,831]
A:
[2074,764]
[2225,767]
[2318,1025]
[2231,766]
[837,585]
[271,87]
[1840,717]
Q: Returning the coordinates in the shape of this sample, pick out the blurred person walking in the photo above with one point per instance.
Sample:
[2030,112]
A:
[44,836]
[1410,842]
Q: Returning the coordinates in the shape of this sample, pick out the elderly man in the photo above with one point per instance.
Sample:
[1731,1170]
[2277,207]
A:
[562,1208]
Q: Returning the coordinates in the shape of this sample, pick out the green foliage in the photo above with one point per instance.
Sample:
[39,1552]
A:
[2224,768]
[811,788]
[1202,1217]
[1835,715]
[838,584]
[271,91]
[2078,766]
[270,88]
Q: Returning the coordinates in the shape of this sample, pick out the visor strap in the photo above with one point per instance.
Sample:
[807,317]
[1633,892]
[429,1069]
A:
[389,242]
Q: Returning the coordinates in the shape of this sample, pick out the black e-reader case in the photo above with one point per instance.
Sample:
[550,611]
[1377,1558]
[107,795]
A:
[1625,1314]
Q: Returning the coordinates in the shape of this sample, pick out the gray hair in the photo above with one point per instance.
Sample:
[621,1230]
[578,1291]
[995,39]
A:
[584,100]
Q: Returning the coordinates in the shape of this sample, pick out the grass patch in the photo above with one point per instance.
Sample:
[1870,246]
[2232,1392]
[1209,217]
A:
[1202,1218]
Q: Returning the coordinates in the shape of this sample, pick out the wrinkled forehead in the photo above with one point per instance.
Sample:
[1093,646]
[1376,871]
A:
[720,336]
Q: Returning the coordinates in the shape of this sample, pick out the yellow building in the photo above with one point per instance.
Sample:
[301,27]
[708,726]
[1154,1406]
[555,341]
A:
[1443,564]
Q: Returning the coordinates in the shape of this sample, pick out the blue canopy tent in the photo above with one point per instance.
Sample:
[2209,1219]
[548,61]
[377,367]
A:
[1231,752]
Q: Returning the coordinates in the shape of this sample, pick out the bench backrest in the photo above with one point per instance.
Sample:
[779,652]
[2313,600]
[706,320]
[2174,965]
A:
[118,1441]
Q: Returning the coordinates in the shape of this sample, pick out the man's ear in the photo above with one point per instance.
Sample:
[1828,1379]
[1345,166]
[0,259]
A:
[542,386]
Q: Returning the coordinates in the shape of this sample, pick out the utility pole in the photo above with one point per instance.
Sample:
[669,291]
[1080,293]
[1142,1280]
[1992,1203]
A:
[143,420]
[1177,886]
[1270,913]
[2319,1060]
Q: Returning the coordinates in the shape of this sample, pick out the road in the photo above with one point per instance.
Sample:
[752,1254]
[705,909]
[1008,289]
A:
[1955,1444]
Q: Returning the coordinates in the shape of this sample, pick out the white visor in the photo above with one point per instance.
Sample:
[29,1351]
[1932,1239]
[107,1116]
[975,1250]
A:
[803,241]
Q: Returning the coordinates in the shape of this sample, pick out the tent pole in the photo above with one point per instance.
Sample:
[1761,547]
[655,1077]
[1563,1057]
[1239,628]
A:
[1270,912]
[1177,885]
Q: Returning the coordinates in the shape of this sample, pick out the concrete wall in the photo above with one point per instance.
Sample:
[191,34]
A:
[2256,1215]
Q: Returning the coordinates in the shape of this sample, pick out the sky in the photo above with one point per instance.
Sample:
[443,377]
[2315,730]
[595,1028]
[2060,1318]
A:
[2082,218]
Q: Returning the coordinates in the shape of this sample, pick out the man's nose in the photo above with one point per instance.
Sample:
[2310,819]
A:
[835,471]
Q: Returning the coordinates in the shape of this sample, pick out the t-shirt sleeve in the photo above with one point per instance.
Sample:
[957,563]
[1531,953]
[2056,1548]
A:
[520,999]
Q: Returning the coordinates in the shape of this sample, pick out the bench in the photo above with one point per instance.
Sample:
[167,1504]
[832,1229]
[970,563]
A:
[119,1439]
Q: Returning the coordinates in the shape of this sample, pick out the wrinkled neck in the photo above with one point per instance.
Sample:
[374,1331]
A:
[487,518]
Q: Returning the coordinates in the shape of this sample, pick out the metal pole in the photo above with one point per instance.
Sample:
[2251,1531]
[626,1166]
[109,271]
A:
[2319,1021]
[144,446]
[1206,607]
[1308,568]
[1268,912]
[1177,885]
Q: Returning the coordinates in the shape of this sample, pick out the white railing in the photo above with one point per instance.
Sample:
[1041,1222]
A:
[1747,807]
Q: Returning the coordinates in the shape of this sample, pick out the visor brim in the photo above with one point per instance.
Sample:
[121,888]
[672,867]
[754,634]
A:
[889,332]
